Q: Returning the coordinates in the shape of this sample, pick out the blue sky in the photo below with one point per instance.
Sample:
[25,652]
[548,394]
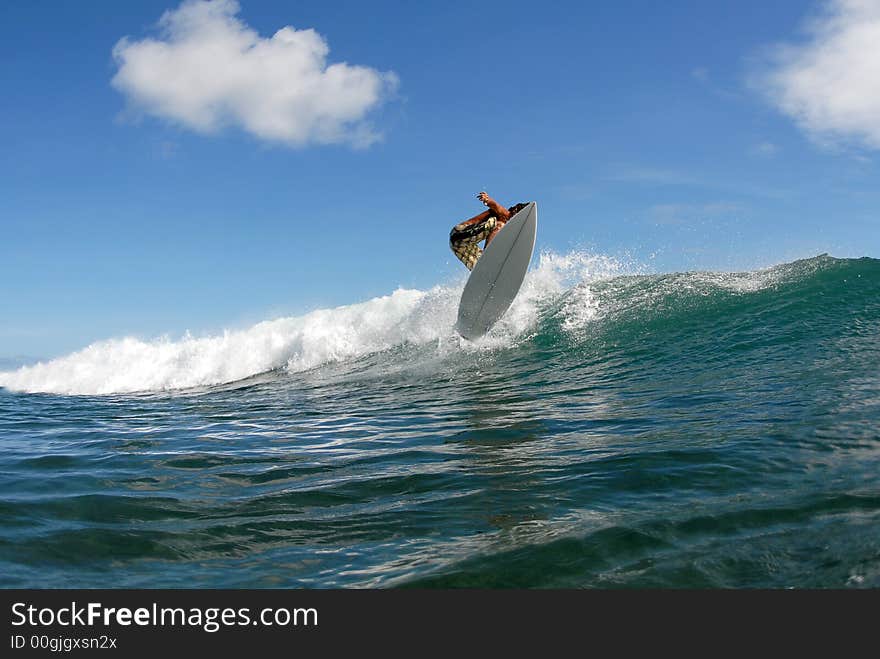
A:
[682,135]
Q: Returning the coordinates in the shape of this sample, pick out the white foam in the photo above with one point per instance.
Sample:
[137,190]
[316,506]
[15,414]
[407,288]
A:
[304,342]
[581,305]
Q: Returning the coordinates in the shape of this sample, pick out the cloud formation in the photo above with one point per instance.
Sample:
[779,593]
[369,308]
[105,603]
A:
[209,70]
[830,84]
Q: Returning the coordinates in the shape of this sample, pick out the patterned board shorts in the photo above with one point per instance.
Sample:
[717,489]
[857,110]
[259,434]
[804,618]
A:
[464,240]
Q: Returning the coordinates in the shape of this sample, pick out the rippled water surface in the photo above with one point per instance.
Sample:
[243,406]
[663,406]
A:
[682,430]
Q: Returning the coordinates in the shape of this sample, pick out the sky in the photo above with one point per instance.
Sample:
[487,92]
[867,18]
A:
[170,167]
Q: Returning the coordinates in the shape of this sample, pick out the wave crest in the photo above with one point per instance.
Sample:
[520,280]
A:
[569,291]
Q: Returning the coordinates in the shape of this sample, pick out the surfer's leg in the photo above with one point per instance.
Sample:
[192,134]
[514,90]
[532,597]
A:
[464,237]
[467,253]
[494,233]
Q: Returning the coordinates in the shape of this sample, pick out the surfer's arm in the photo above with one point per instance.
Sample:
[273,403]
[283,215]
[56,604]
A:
[477,218]
[497,209]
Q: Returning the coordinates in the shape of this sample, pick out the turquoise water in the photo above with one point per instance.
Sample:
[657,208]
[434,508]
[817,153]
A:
[616,430]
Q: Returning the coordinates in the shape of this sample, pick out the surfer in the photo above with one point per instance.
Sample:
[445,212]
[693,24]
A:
[465,237]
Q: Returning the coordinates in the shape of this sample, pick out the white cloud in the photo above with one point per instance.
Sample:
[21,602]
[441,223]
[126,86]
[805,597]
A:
[830,84]
[209,70]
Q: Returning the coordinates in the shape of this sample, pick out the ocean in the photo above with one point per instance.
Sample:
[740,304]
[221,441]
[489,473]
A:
[617,429]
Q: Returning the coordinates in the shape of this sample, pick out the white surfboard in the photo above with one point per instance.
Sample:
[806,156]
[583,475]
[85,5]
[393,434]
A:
[498,274]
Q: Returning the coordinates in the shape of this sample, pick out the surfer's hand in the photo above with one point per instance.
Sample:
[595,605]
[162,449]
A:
[484,197]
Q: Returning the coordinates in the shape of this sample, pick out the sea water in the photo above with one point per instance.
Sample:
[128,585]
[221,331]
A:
[616,429]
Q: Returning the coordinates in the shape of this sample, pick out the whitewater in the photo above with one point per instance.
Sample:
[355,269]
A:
[404,317]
